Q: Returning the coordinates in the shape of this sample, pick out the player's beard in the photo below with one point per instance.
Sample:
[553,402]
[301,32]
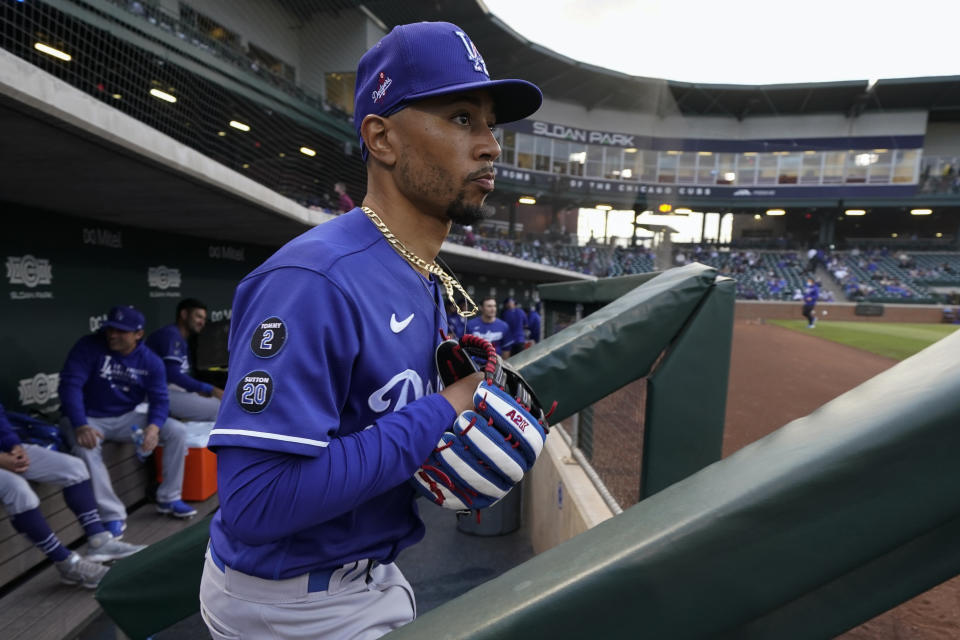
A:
[467,214]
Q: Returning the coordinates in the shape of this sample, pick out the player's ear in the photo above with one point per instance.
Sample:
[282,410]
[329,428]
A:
[379,139]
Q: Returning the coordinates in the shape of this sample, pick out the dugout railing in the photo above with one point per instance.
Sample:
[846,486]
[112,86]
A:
[806,533]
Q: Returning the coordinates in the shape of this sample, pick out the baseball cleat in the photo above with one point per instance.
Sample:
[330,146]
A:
[111,549]
[177,509]
[79,570]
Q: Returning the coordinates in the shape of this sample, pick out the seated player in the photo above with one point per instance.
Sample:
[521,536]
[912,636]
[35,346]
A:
[491,328]
[515,317]
[21,462]
[106,375]
[190,399]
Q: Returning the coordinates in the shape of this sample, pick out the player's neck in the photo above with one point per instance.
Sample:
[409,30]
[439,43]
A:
[420,233]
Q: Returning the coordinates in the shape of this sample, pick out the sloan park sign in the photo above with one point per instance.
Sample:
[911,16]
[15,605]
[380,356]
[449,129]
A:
[573,134]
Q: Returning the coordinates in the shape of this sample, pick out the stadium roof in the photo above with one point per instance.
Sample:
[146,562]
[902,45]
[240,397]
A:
[508,53]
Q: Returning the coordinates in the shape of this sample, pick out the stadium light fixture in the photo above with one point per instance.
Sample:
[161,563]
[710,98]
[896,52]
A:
[855,212]
[221,133]
[527,200]
[871,83]
[674,153]
[246,165]
[307,151]
[683,211]
[665,208]
[920,212]
[893,235]
[239,125]
[604,207]
[580,156]
[163,95]
[50,51]
[117,96]
[757,216]
[730,176]
[630,150]
[626,173]
[939,235]
[776,212]
[704,153]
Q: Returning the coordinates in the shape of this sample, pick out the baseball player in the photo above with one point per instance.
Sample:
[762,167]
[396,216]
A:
[20,463]
[105,376]
[516,318]
[332,401]
[190,399]
[810,296]
[491,328]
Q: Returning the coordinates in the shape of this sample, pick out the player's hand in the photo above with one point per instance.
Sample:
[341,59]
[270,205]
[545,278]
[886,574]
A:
[87,436]
[460,393]
[15,460]
[151,438]
[217,393]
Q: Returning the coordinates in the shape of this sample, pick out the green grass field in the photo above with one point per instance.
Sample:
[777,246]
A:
[896,340]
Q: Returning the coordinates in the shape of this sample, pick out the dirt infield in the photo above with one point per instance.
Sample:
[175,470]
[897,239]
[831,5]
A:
[778,375]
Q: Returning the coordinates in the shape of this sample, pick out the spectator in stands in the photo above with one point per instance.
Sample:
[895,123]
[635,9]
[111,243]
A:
[533,322]
[105,377]
[810,296]
[812,259]
[190,399]
[489,327]
[515,317]
[20,463]
[344,202]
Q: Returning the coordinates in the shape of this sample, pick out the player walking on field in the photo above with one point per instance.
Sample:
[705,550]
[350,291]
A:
[810,296]
[332,402]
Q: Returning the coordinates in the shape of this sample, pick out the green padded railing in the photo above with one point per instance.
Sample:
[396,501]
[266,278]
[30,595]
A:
[806,533]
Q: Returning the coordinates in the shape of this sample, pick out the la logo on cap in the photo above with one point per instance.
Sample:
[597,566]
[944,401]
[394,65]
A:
[473,54]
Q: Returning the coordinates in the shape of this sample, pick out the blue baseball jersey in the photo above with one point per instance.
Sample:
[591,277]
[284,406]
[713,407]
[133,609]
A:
[456,325]
[330,404]
[811,295]
[533,324]
[100,383]
[8,437]
[516,319]
[170,345]
[497,332]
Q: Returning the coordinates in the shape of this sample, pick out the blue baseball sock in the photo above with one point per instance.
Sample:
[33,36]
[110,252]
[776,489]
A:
[33,525]
[79,497]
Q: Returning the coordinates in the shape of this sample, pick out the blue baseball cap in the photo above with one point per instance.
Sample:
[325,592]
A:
[427,59]
[124,319]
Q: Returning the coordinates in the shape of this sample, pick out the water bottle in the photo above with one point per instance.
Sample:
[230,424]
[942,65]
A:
[138,440]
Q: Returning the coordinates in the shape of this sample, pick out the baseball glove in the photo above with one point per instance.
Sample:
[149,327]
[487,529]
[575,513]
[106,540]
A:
[487,450]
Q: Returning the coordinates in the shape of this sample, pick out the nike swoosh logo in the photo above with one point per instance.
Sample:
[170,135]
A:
[398,326]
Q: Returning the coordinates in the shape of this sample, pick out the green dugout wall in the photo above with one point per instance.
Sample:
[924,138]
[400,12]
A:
[62,275]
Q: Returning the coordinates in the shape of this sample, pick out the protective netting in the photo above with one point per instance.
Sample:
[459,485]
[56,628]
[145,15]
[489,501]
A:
[181,73]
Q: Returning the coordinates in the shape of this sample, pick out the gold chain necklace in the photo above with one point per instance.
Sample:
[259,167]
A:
[449,282]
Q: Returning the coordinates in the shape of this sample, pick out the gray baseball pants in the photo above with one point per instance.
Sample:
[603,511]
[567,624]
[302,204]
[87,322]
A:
[173,439]
[53,467]
[357,605]
[193,407]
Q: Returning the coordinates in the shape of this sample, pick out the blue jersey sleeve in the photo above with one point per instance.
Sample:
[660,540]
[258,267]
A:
[157,395]
[266,495]
[76,371]
[292,342]
[172,349]
[8,437]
